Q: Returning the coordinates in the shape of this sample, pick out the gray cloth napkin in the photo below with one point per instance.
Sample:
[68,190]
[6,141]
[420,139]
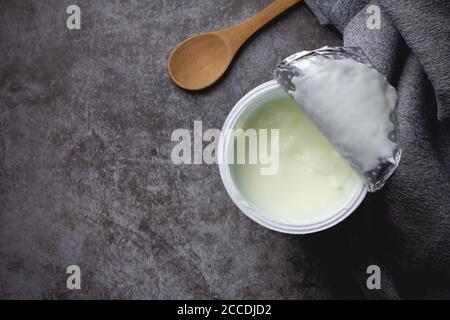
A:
[405,227]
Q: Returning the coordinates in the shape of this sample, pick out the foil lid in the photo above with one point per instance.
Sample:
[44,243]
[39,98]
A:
[351,103]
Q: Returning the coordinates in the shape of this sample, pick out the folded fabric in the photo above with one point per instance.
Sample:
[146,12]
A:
[405,227]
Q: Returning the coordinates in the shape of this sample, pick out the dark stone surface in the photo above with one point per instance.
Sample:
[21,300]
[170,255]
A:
[85,170]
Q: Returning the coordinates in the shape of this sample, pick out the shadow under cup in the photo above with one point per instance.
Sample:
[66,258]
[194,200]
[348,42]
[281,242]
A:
[327,218]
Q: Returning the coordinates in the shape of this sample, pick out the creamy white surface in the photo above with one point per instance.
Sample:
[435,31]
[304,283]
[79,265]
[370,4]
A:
[351,103]
[312,177]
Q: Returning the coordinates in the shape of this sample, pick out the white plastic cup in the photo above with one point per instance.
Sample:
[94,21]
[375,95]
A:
[330,217]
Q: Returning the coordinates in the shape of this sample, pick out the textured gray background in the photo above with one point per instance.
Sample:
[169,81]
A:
[85,171]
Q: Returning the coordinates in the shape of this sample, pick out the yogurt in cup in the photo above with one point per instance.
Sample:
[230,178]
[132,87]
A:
[313,188]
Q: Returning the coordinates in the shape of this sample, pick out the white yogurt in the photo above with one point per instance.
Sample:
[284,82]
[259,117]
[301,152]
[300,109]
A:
[312,176]
[314,187]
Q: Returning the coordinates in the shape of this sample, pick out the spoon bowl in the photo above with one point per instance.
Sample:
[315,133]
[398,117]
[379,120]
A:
[199,61]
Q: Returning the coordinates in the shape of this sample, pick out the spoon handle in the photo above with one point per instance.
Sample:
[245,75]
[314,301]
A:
[238,34]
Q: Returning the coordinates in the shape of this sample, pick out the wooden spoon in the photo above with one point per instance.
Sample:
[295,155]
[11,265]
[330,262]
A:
[201,60]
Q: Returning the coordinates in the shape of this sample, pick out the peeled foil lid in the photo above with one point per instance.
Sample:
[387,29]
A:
[373,153]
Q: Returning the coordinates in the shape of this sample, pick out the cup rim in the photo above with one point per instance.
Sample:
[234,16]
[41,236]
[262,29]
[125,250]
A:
[254,212]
